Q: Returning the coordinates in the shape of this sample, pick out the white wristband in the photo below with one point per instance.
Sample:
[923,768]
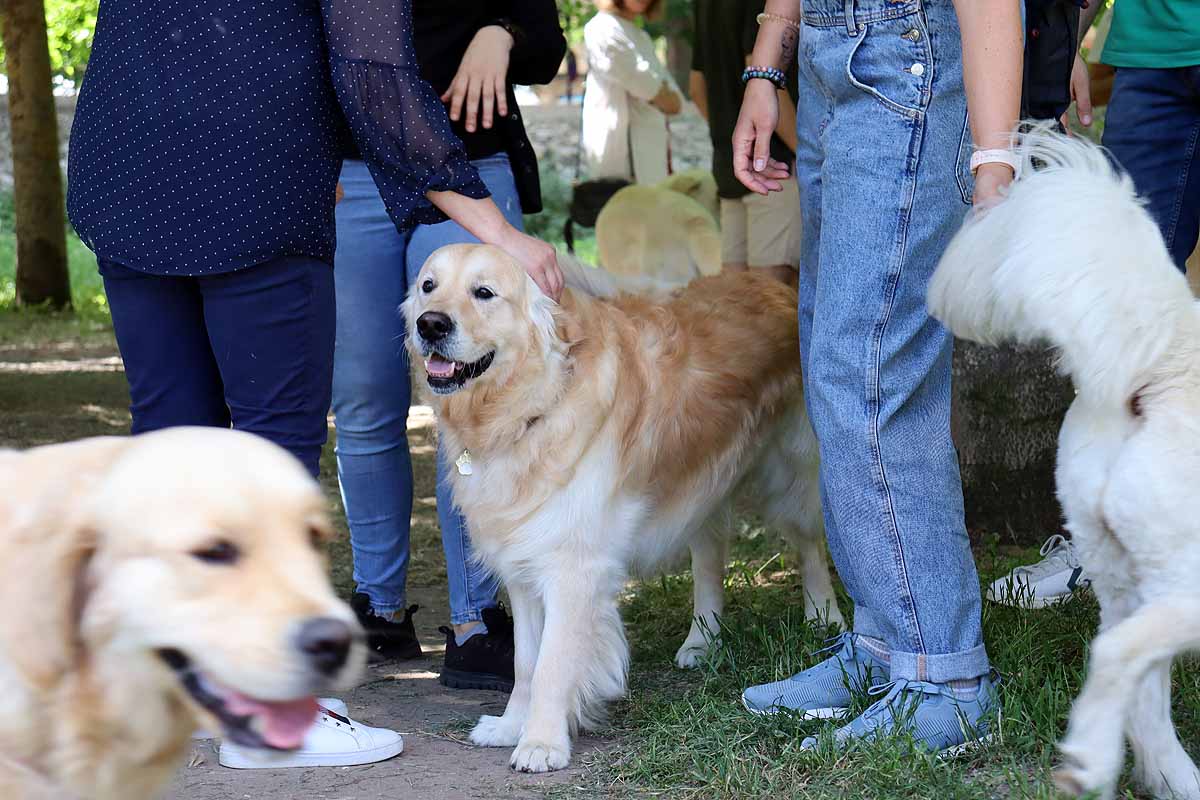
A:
[980,157]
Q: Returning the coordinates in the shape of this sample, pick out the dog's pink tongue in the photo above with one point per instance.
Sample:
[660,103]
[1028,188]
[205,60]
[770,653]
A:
[284,724]
[439,367]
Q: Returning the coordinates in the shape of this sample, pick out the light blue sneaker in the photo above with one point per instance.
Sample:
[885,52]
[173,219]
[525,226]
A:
[937,719]
[823,691]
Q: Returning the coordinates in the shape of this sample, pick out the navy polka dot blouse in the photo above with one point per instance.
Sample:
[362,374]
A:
[209,133]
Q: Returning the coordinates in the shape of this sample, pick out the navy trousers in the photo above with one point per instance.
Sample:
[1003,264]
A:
[251,348]
[1153,131]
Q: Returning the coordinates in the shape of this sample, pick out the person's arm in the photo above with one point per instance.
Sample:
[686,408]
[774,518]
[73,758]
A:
[775,46]
[540,44]
[1081,79]
[486,222]
[698,89]
[992,48]
[403,134]
[613,54]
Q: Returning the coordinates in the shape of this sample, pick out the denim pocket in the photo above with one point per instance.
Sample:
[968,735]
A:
[893,62]
[962,167]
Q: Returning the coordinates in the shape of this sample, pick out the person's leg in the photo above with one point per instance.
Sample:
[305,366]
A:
[1152,129]
[879,365]
[479,647]
[371,391]
[774,234]
[159,325]
[271,331]
[472,587]
[733,234]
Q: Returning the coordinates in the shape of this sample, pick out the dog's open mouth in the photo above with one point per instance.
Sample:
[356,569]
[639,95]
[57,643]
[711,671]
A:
[246,721]
[445,375]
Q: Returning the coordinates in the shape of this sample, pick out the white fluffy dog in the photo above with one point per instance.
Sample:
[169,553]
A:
[1072,258]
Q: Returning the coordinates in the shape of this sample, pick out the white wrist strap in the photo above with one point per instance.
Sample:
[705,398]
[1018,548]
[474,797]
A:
[980,157]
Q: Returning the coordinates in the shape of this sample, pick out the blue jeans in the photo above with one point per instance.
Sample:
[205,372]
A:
[251,348]
[371,393]
[1153,131]
[884,183]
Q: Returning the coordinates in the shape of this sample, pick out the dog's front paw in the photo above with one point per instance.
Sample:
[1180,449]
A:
[535,756]
[1081,772]
[496,732]
[690,654]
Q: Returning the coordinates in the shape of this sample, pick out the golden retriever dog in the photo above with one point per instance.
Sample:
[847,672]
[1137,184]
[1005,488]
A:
[668,231]
[1100,287]
[154,584]
[605,435]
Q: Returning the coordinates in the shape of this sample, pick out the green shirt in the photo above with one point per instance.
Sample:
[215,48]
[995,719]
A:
[1154,33]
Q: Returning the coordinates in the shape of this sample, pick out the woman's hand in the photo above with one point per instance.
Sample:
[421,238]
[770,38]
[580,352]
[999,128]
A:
[752,162]
[991,181]
[539,259]
[1081,93]
[482,78]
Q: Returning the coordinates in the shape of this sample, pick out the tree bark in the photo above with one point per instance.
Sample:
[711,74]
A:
[42,275]
[1008,406]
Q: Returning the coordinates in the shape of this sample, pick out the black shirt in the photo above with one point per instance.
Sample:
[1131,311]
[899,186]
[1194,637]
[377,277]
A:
[724,35]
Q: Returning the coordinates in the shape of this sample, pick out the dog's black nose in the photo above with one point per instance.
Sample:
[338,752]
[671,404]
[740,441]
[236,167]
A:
[434,326]
[326,642]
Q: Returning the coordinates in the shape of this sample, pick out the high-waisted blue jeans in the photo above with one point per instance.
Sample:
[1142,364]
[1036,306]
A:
[373,268]
[884,177]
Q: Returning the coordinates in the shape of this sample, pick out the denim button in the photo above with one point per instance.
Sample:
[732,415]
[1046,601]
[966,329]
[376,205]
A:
[917,69]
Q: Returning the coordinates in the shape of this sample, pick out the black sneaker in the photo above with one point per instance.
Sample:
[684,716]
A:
[386,639]
[485,661]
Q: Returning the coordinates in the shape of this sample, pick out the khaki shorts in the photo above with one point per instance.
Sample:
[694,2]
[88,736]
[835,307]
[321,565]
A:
[762,231]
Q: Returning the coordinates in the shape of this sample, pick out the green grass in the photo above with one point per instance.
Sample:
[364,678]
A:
[684,733]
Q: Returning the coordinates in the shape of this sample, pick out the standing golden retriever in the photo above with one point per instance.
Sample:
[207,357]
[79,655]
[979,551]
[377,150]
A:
[603,435]
[153,584]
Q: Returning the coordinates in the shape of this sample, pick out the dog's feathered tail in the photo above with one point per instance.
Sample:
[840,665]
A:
[1071,257]
[600,283]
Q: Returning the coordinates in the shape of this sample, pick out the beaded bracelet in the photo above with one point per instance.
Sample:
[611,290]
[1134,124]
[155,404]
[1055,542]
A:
[771,74]
[765,17]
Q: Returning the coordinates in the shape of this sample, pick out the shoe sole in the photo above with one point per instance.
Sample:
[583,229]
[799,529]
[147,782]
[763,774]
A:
[458,679]
[966,747]
[272,760]
[809,714]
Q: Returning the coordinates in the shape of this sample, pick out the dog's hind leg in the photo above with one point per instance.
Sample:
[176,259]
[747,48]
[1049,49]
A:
[528,618]
[708,593]
[1121,657]
[581,663]
[1161,766]
[802,526]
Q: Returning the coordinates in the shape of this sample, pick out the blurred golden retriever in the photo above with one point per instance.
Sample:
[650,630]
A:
[603,435]
[668,231]
[154,584]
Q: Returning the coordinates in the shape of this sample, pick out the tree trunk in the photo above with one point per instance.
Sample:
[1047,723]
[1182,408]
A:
[42,275]
[1008,406]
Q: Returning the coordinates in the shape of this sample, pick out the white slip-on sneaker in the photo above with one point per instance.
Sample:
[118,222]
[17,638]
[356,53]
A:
[1054,578]
[328,703]
[334,740]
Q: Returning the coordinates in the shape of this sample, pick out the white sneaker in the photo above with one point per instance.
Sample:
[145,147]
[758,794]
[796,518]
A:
[328,703]
[334,740]
[1054,578]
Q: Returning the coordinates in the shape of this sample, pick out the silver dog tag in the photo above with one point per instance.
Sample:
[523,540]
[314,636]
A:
[463,463]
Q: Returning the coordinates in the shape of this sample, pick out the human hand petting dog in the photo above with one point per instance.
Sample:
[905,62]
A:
[482,79]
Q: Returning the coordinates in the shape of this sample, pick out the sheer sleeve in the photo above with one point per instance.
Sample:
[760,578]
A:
[398,122]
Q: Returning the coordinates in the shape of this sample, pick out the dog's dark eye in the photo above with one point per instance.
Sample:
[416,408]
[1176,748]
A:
[428,286]
[484,293]
[221,551]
